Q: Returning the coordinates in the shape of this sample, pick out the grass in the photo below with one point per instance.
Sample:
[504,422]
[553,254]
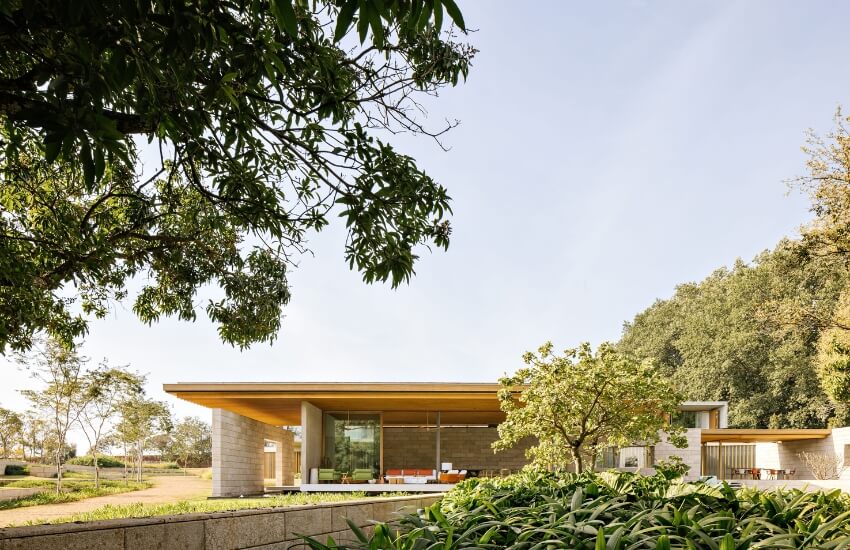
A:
[207,506]
[72,491]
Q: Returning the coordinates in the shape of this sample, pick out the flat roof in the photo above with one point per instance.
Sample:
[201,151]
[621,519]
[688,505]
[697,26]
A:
[754,435]
[279,403]
[402,403]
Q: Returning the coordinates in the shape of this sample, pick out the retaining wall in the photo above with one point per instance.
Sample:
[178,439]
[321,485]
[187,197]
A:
[266,529]
[20,492]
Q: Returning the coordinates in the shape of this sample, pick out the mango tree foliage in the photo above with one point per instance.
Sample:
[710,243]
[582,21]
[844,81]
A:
[748,335]
[577,403]
[270,117]
[833,354]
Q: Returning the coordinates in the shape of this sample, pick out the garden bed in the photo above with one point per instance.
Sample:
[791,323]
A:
[618,511]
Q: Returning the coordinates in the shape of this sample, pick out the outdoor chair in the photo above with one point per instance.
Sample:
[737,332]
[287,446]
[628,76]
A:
[361,475]
[789,474]
[329,475]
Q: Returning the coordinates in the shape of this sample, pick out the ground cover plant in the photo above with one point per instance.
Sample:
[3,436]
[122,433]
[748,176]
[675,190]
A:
[542,510]
[139,510]
[72,490]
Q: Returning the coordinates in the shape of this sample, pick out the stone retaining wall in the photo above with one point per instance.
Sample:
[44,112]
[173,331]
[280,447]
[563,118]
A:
[266,529]
[20,492]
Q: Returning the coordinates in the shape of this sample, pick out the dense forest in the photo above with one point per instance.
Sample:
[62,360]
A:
[771,336]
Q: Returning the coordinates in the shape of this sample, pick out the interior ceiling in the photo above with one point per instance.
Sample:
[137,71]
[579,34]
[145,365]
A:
[734,435]
[404,404]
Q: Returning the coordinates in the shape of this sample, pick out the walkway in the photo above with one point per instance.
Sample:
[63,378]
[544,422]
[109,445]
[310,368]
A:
[166,489]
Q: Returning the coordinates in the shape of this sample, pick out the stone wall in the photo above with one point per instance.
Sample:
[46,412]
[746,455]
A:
[238,450]
[465,447]
[15,493]
[274,528]
[691,455]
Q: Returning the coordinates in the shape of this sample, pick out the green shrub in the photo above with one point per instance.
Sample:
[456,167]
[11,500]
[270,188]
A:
[615,511]
[162,466]
[16,470]
[102,461]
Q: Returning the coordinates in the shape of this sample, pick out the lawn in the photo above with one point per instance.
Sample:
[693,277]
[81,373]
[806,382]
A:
[72,490]
[208,506]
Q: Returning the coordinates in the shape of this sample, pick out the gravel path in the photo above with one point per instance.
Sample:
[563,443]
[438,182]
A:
[166,489]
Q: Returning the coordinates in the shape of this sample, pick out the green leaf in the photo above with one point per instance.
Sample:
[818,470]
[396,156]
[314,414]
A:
[285,15]
[363,21]
[377,27]
[600,539]
[343,22]
[454,13]
[438,14]
[728,542]
[88,164]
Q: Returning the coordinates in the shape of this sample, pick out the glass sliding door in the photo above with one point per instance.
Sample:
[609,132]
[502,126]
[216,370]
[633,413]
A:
[352,441]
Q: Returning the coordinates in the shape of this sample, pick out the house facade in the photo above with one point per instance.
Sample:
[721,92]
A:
[419,437]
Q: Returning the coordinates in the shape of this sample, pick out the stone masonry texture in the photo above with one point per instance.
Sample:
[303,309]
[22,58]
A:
[467,448]
[237,449]
[273,528]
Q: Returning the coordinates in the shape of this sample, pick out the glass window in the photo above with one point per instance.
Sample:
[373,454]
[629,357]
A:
[685,419]
[352,441]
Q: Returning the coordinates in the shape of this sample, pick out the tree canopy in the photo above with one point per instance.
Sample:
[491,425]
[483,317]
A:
[770,336]
[270,117]
[577,403]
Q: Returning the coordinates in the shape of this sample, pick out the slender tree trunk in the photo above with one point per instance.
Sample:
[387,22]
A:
[59,471]
[141,453]
[96,469]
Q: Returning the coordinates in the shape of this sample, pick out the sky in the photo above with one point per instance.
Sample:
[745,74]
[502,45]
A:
[607,152]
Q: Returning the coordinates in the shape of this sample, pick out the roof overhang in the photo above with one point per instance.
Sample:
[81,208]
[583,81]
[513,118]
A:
[408,403]
[746,435]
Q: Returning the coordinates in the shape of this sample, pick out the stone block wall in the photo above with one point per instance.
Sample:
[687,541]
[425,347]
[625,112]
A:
[238,448]
[271,528]
[691,455]
[465,447]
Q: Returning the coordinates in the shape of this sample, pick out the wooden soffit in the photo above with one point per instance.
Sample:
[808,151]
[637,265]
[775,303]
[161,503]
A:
[746,435]
[412,403]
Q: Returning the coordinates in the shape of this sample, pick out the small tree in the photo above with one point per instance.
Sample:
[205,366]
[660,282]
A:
[141,419]
[190,440]
[33,435]
[61,398]
[10,429]
[104,391]
[578,403]
[823,465]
